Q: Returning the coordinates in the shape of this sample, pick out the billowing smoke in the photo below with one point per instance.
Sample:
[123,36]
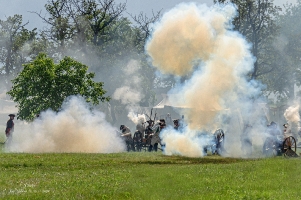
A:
[197,41]
[292,117]
[137,118]
[184,144]
[74,129]
[127,95]
[130,94]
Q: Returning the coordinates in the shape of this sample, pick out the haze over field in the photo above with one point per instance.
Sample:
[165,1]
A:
[196,39]
[213,71]
[74,129]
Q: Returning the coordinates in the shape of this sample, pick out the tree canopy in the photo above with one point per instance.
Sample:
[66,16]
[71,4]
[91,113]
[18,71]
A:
[43,84]
[13,37]
[256,20]
[98,34]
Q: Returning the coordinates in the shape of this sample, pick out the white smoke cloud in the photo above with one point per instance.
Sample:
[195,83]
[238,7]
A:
[198,40]
[137,118]
[127,95]
[74,129]
[292,117]
[130,94]
[186,144]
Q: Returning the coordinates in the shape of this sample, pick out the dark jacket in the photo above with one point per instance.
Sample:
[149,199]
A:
[9,126]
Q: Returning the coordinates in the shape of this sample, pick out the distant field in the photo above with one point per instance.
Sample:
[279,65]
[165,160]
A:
[146,176]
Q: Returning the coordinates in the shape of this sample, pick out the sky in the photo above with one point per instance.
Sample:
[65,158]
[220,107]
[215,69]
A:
[23,7]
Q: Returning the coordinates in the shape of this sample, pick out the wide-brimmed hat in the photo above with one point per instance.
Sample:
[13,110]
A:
[11,115]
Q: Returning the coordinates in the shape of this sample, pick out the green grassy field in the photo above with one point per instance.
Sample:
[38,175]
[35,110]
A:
[146,176]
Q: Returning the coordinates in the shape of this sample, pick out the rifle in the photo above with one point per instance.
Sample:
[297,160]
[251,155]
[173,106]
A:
[155,117]
[151,114]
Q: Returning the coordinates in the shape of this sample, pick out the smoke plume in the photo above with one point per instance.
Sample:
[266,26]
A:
[130,93]
[137,118]
[198,41]
[292,117]
[184,144]
[74,129]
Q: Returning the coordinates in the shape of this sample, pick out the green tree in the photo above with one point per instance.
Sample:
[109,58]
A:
[99,15]
[60,30]
[74,22]
[143,28]
[112,41]
[291,40]
[256,20]
[13,36]
[43,84]
[287,50]
[100,37]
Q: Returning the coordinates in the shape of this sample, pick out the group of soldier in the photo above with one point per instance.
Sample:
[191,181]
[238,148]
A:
[147,134]
[143,136]
[147,137]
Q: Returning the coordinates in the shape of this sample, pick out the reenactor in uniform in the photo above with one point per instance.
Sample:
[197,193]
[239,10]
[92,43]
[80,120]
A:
[127,136]
[286,130]
[176,124]
[10,126]
[155,136]
[148,131]
[139,136]
[290,130]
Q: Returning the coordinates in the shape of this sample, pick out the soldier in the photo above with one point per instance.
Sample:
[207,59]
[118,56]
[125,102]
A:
[176,124]
[148,129]
[287,130]
[10,126]
[219,141]
[140,127]
[127,136]
[138,136]
[155,136]
[290,130]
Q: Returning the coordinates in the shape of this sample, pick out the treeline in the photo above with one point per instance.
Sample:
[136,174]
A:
[97,33]
[83,29]
[94,32]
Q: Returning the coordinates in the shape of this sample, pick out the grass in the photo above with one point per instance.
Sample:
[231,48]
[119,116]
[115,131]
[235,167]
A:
[2,130]
[146,176]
